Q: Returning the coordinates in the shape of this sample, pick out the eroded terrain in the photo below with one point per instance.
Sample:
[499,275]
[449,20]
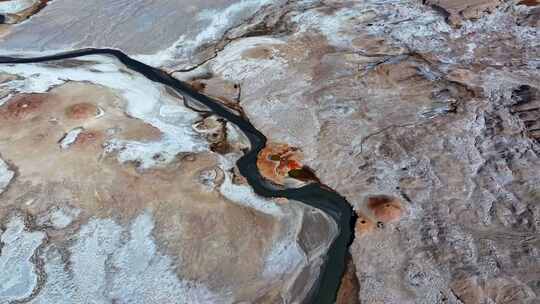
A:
[423,114]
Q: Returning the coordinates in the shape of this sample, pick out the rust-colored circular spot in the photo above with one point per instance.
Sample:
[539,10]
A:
[87,137]
[23,106]
[364,225]
[385,208]
[82,111]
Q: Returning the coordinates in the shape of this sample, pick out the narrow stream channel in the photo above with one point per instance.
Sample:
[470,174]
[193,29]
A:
[315,195]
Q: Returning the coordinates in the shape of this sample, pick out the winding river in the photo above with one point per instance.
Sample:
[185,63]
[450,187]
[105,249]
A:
[315,195]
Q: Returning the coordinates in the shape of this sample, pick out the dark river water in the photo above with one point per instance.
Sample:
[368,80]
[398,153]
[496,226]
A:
[315,195]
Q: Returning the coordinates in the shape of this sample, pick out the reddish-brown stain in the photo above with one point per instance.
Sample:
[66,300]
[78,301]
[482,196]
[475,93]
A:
[385,208]
[81,111]
[198,86]
[364,225]
[529,2]
[87,137]
[23,107]
[350,287]
[286,165]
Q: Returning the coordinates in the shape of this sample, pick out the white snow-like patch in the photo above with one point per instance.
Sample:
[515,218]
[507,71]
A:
[58,217]
[6,175]
[96,241]
[220,19]
[70,137]
[172,111]
[218,22]
[146,154]
[285,257]
[405,22]
[58,288]
[100,113]
[235,135]
[112,264]
[143,275]
[413,25]
[233,66]
[334,27]
[32,83]
[243,194]
[146,100]
[15,6]
[17,271]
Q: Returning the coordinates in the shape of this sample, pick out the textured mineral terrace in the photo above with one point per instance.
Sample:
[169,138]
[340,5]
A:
[423,114]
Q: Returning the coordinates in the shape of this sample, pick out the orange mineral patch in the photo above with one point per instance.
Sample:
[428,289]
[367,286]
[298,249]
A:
[364,225]
[276,160]
[385,208]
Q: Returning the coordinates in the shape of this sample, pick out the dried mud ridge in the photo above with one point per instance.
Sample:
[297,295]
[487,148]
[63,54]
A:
[314,194]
